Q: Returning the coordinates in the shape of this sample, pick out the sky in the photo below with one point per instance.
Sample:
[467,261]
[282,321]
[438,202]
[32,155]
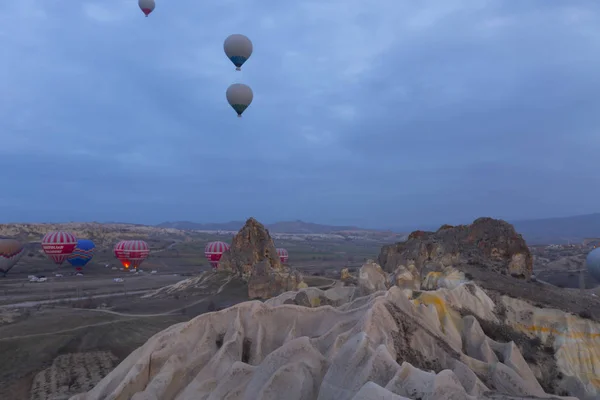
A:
[379,113]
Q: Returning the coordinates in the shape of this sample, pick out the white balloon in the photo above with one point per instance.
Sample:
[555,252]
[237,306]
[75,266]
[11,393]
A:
[239,97]
[238,48]
[147,6]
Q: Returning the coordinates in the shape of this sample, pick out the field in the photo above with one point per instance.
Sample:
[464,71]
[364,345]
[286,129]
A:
[61,336]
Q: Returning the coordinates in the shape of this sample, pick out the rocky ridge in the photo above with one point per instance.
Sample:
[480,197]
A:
[488,243]
[418,328]
[394,344]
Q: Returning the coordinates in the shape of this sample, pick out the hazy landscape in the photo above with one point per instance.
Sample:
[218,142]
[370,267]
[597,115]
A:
[51,330]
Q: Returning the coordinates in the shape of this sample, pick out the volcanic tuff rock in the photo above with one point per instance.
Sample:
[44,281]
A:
[487,242]
[395,344]
[251,245]
[253,257]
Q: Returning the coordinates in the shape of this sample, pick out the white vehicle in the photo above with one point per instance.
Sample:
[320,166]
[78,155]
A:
[58,275]
[118,279]
[79,274]
[153,272]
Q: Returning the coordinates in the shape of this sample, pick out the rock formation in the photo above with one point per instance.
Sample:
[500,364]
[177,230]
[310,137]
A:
[253,257]
[394,344]
[487,242]
[250,246]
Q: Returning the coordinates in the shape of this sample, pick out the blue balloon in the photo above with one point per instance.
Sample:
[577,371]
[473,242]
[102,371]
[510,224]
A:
[592,263]
[83,253]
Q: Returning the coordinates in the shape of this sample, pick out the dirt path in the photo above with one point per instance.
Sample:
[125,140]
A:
[176,310]
[28,304]
[59,332]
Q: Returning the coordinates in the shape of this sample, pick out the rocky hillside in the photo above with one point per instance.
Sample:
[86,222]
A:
[488,243]
[395,344]
[439,321]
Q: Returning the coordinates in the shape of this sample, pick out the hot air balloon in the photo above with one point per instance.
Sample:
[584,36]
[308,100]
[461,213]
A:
[239,97]
[283,255]
[147,6]
[120,253]
[83,253]
[213,252]
[58,245]
[238,49]
[136,251]
[10,252]
[592,263]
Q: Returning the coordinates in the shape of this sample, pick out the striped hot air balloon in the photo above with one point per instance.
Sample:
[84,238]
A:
[83,253]
[11,252]
[120,253]
[213,252]
[136,251]
[283,255]
[58,245]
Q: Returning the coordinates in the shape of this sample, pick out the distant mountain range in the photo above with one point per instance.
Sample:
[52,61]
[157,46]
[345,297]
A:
[296,227]
[535,231]
[559,230]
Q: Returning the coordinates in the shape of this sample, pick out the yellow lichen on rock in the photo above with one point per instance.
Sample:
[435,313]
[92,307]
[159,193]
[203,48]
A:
[576,341]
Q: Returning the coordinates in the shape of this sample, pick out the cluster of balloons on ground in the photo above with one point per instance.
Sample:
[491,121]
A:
[238,48]
[62,246]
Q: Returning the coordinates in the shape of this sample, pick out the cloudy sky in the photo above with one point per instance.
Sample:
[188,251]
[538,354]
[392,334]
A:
[381,113]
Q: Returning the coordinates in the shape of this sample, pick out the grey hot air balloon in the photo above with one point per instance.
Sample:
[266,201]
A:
[239,97]
[238,49]
[147,6]
[592,263]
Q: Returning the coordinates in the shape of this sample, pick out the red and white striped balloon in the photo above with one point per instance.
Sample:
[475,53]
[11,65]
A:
[283,255]
[213,252]
[120,253]
[58,245]
[136,251]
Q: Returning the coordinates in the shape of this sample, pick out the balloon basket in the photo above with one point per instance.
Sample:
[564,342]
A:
[239,115]
[238,68]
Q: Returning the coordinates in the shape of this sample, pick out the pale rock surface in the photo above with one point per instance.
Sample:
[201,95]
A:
[406,277]
[371,278]
[449,278]
[385,345]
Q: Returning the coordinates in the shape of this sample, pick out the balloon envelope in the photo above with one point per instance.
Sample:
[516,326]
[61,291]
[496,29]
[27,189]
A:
[592,263]
[136,251]
[83,253]
[214,251]
[283,255]
[239,97]
[238,48]
[11,252]
[119,251]
[58,245]
[147,6]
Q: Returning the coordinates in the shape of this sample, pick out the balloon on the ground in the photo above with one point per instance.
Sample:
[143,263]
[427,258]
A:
[58,245]
[592,263]
[83,253]
[239,97]
[136,251]
[214,251]
[147,6]
[119,251]
[11,252]
[238,48]
[283,255]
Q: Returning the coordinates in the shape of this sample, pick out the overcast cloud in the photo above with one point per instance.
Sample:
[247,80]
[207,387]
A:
[381,113]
